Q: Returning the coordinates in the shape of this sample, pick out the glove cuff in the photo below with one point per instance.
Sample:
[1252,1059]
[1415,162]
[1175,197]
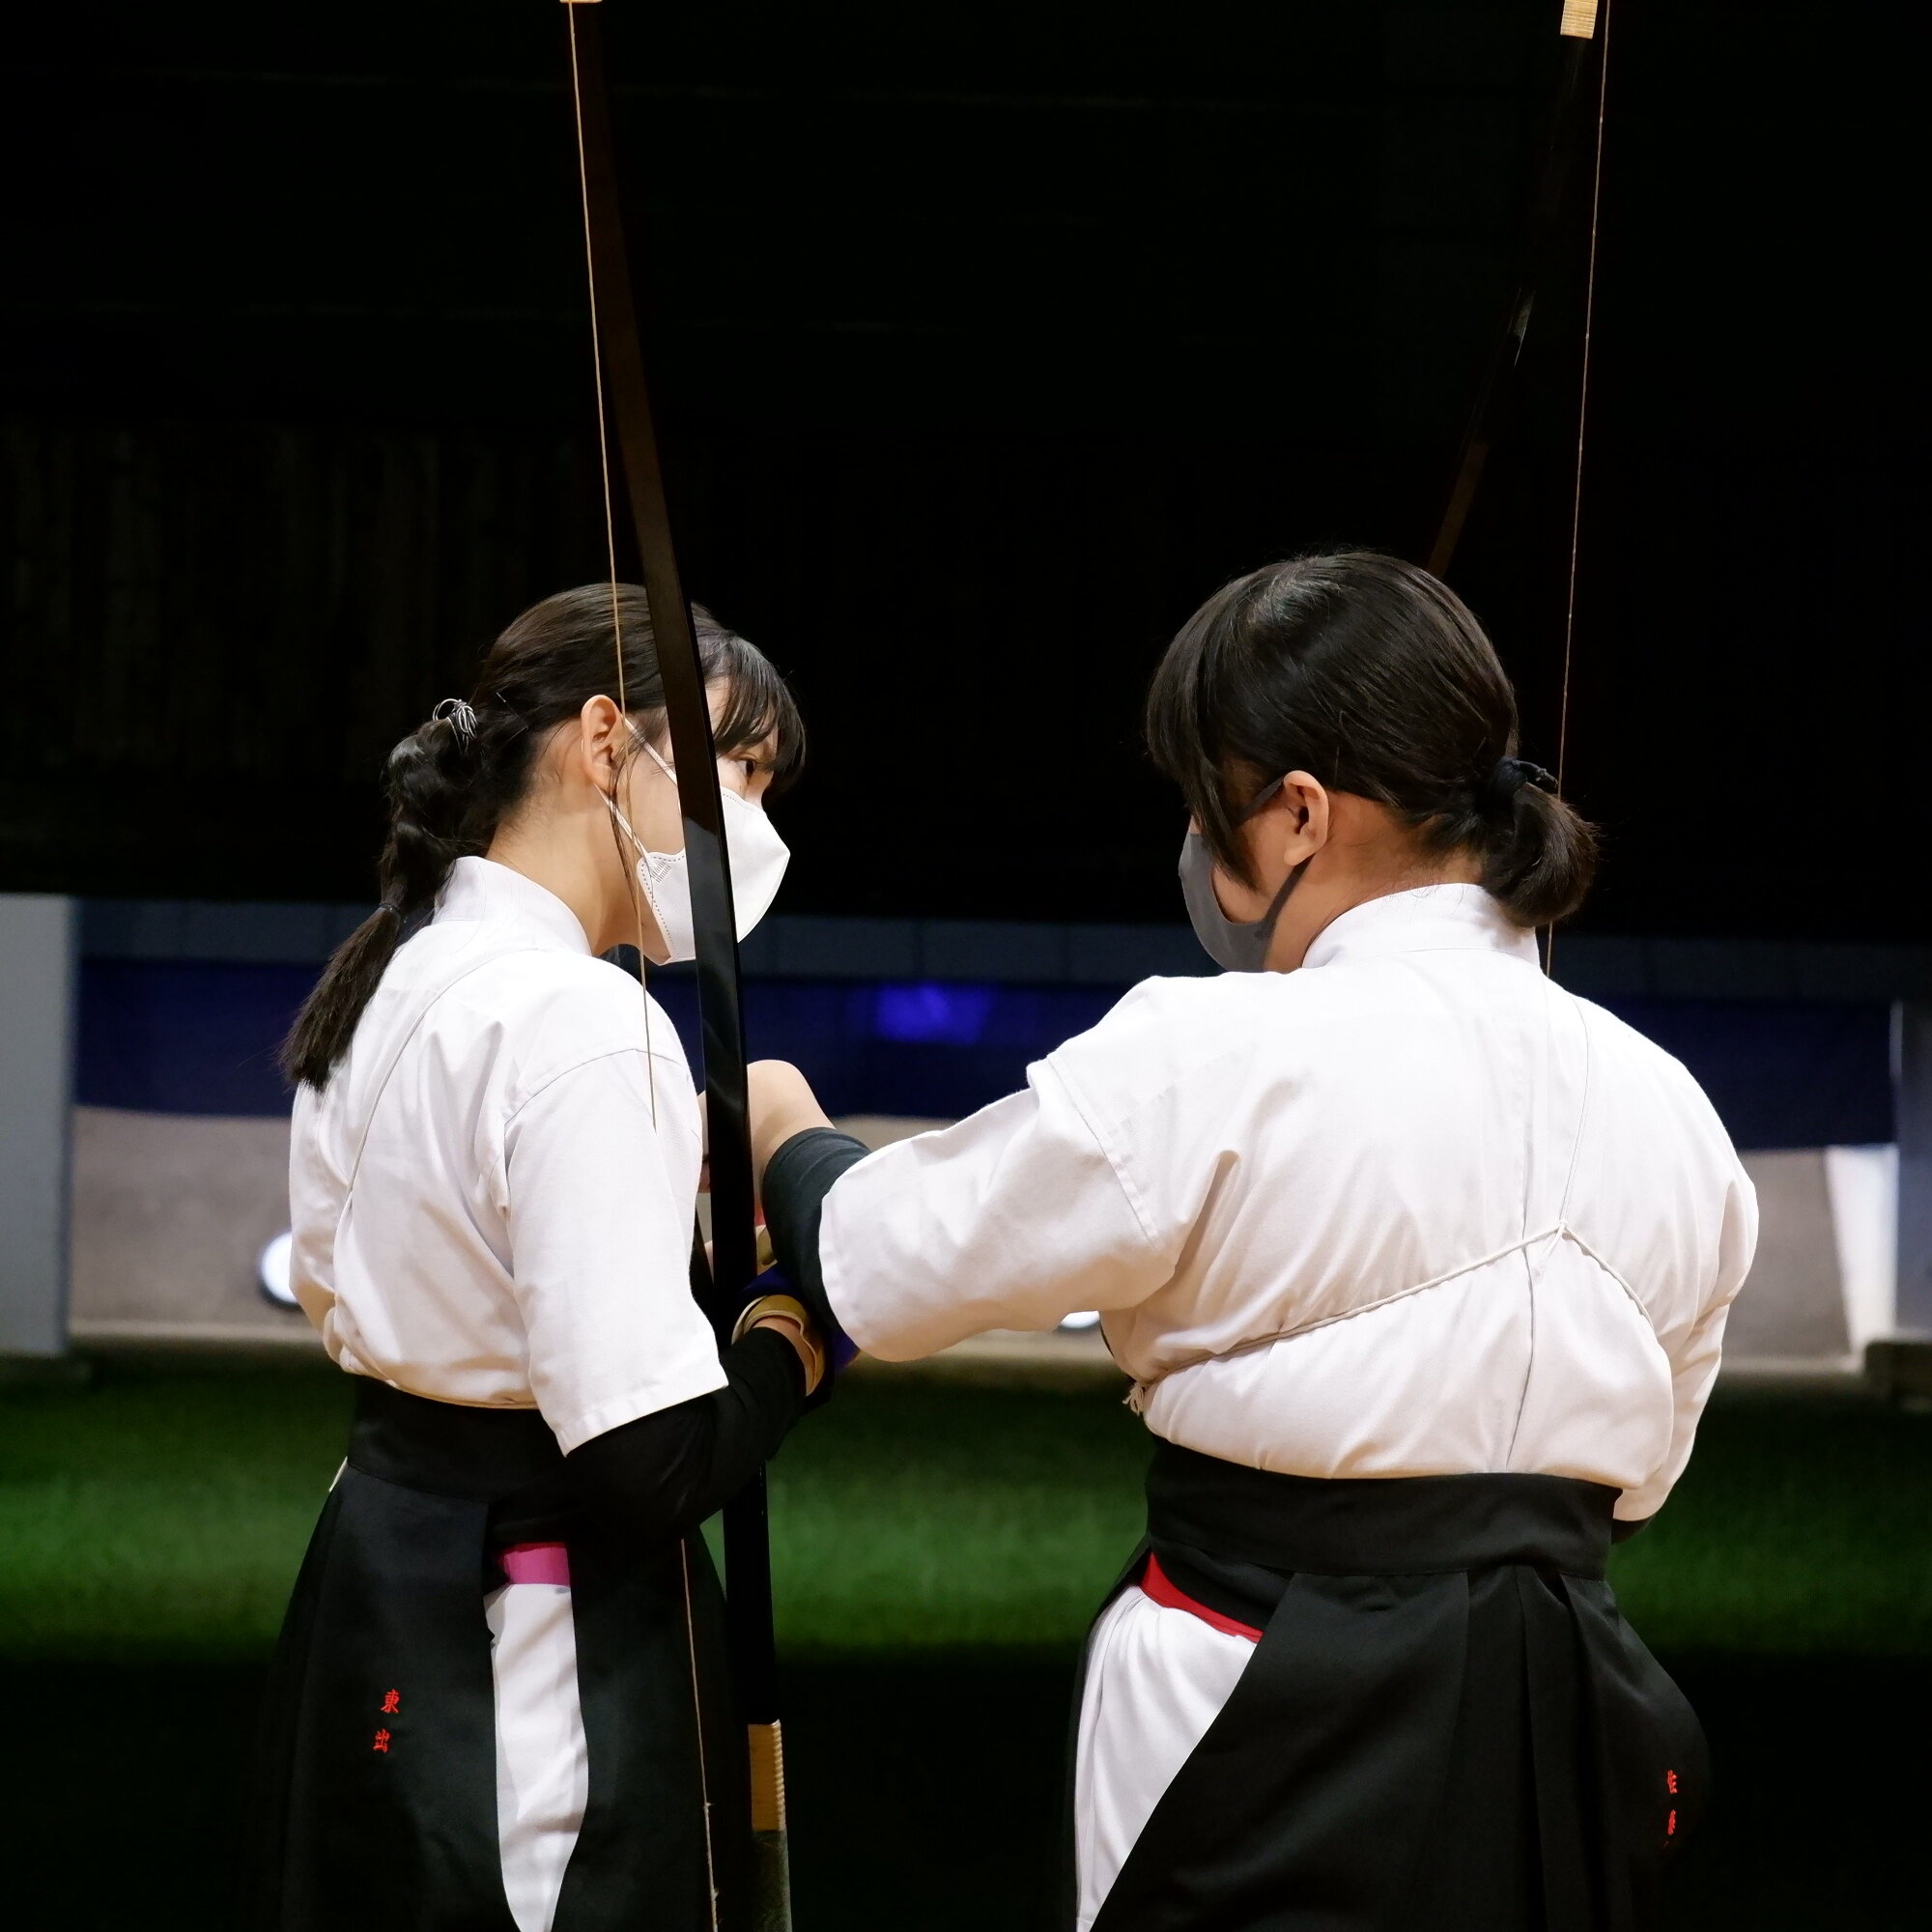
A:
[792,1310]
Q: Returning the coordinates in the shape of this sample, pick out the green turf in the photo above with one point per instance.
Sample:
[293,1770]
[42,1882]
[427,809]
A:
[1802,1527]
[160,1515]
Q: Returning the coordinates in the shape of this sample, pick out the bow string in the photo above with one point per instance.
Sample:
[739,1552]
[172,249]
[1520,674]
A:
[624,405]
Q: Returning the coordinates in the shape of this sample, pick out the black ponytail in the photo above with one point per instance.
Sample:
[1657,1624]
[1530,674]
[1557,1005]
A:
[453,780]
[1373,676]
[1538,854]
[430,782]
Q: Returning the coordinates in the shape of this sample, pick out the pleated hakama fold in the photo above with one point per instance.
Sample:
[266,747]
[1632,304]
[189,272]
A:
[1445,1726]
[377,1805]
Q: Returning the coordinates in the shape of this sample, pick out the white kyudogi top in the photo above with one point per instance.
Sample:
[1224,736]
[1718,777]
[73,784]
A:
[493,1197]
[1411,1210]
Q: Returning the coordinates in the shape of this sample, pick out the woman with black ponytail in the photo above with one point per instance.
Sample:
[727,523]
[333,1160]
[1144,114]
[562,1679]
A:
[499,1703]
[1420,1265]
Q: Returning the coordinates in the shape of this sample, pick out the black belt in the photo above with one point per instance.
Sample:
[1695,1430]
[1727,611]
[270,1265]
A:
[479,1453]
[1229,1535]
[506,1458]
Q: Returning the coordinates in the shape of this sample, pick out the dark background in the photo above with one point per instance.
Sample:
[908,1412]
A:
[993,337]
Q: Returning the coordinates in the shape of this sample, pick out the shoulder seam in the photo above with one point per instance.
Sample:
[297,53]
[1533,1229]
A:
[550,1080]
[1122,1179]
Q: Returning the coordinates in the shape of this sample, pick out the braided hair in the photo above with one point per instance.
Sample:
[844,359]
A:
[460,775]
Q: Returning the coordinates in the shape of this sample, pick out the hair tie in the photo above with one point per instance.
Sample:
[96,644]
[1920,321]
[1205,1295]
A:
[1508,779]
[459,714]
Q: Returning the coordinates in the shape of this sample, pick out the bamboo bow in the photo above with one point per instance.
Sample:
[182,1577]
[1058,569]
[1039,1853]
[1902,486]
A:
[624,403]
[1584,29]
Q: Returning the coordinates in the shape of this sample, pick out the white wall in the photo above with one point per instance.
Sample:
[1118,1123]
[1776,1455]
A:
[37,951]
[170,1213]
[1863,1182]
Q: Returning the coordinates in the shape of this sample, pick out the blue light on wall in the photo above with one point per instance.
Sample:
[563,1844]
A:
[932,1013]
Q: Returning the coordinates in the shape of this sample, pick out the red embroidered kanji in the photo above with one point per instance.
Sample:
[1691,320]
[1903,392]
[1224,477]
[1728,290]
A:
[381,1743]
[392,1702]
[1669,1776]
[1670,1829]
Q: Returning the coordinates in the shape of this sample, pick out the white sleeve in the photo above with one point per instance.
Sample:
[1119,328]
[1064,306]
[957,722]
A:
[601,1252]
[1696,1349]
[1011,1219]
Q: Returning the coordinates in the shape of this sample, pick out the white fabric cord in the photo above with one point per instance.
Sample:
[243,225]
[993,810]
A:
[542,1770]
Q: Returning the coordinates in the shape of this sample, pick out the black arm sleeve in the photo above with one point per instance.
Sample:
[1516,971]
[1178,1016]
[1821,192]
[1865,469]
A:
[797,1179]
[656,1479]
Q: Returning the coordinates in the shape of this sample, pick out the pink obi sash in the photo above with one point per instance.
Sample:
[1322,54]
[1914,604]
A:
[535,1563]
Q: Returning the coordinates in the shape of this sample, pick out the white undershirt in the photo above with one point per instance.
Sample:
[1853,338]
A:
[1412,1209]
[522,1136]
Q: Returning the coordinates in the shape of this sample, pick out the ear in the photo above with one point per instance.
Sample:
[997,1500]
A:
[602,743]
[1297,822]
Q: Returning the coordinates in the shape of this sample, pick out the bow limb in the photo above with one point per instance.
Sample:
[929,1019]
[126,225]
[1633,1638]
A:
[1564,124]
[625,405]
[626,397]
[1584,29]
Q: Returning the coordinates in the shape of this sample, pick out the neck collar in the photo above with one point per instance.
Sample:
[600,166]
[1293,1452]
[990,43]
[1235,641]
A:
[480,888]
[1428,919]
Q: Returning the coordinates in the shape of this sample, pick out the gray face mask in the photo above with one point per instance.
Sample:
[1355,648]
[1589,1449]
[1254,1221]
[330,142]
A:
[1234,946]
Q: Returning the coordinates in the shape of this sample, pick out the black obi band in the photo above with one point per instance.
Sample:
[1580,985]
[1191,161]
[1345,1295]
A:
[446,1450]
[1376,1526]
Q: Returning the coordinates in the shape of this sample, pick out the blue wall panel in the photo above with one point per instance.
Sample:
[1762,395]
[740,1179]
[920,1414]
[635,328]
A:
[186,1037]
[1781,1074]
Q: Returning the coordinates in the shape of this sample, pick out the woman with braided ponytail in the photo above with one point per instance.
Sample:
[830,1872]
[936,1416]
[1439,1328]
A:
[1420,1265]
[500,1699]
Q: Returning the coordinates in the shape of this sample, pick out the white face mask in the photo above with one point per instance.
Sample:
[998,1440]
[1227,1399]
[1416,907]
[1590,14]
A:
[757,856]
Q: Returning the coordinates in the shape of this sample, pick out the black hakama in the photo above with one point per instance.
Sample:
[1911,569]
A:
[1445,1726]
[380,1789]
